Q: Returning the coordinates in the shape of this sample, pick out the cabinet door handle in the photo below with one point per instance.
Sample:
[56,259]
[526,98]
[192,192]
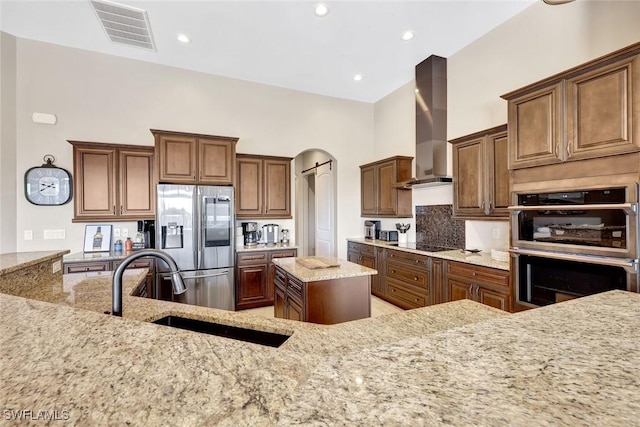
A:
[114,209]
[393,271]
[568,149]
[121,210]
[415,278]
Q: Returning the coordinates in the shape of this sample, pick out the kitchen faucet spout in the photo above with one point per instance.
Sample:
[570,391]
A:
[116,284]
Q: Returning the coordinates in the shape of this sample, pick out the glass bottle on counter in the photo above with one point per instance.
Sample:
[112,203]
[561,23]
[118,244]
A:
[128,245]
[97,239]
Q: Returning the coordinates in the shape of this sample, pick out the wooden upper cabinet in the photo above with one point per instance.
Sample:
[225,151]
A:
[480,174]
[263,187]
[249,186]
[603,109]
[536,130]
[194,158]
[586,112]
[113,182]
[381,193]
[277,187]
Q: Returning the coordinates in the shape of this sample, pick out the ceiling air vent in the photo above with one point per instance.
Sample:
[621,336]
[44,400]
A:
[124,24]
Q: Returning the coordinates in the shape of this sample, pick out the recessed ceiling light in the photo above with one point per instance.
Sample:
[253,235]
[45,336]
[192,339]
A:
[357,77]
[321,9]
[183,38]
[408,35]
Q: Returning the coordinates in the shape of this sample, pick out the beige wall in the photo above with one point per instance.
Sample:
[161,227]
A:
[8,174]
[540,41]
[109,99]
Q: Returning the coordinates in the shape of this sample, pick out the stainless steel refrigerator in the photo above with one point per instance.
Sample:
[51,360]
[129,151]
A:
[195,225]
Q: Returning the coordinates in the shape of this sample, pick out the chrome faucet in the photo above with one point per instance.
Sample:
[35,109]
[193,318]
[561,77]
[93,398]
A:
[116,284]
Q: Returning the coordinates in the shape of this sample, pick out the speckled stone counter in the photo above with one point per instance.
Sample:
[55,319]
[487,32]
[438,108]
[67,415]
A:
[460,363]
[343,270]
[482,259]
[264,247]
[28,270]
[94,256]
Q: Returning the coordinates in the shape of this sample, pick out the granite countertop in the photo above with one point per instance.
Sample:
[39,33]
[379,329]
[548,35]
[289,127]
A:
[265,247]
[95,256]
[482,259]
[18,260]
[458,363]
[343,270]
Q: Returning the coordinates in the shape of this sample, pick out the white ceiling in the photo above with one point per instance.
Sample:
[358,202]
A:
[280,43]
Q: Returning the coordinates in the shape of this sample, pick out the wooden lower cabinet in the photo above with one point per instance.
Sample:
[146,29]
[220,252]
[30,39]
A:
[368,256]
[324,302]
[147,290]
[488,286]
[255,275]
[407,279]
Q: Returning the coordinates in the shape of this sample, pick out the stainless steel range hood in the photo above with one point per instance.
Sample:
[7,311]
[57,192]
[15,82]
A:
[431,124]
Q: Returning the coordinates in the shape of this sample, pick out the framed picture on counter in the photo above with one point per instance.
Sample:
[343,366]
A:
[97,238]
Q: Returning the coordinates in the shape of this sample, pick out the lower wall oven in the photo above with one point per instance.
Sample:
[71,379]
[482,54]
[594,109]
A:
[544,278]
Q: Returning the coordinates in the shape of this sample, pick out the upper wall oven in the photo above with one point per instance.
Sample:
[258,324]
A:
[596,221]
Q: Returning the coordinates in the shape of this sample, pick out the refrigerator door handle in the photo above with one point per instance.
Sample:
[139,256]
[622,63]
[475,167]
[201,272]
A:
[197,224]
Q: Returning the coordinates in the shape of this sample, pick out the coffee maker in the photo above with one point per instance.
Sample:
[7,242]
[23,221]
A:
[250,231]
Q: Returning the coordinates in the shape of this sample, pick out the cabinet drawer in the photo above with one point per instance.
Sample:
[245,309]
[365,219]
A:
[83,267]
[355,247]
[280,279]
[283,254]
[367,249]
[403,273]
[252,258]
[410,299]
[139,263]
[408,258]
[294,288]
[477,274]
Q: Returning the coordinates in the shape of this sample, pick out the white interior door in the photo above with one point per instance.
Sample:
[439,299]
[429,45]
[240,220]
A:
[324,207]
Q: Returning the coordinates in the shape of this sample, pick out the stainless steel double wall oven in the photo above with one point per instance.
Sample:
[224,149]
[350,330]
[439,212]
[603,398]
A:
[574,242]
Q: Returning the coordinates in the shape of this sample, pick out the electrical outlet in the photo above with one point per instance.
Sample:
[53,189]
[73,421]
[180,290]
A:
[116,232]
[62,234]
[496,233]
[56,234]
[48,234]
[57,266]
[125,232]
[28,234]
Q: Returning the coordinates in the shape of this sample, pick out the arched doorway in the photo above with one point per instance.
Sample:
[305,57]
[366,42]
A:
[316,203]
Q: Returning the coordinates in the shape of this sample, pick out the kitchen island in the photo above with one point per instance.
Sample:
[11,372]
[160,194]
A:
[458,363]
[321,290]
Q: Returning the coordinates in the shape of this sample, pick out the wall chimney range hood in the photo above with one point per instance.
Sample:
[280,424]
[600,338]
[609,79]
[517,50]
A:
[431,124]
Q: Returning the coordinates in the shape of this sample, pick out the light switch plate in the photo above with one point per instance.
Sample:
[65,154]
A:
[28,234]
[57,266]
[116,232]
[125,232]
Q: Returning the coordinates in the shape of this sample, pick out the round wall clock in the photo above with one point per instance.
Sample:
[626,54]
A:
[47,185]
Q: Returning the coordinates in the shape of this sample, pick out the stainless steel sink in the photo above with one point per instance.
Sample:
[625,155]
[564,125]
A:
[270,339]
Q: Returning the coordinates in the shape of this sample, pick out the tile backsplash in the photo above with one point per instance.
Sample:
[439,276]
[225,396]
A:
[435,226]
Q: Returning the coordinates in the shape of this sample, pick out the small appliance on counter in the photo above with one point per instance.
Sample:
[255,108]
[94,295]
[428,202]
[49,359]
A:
[270,234]
[388,235]
[371,229]
[285,236]
[251,233]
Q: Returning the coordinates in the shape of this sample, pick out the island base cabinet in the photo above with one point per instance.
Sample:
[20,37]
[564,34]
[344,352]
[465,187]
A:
[324,302]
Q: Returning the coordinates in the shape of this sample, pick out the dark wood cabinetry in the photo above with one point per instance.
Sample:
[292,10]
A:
[381,192]
[486,285]
[586,112]
[481,175]
[367,255]
[194,158]
[255,274]
[146,290]
[407,279]
[325,301]
[263,185]
[113,182]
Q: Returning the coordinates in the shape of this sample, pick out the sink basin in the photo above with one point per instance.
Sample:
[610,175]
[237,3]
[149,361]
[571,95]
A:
[270,339]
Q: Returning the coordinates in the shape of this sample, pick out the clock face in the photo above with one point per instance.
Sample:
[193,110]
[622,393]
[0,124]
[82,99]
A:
[47,185]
